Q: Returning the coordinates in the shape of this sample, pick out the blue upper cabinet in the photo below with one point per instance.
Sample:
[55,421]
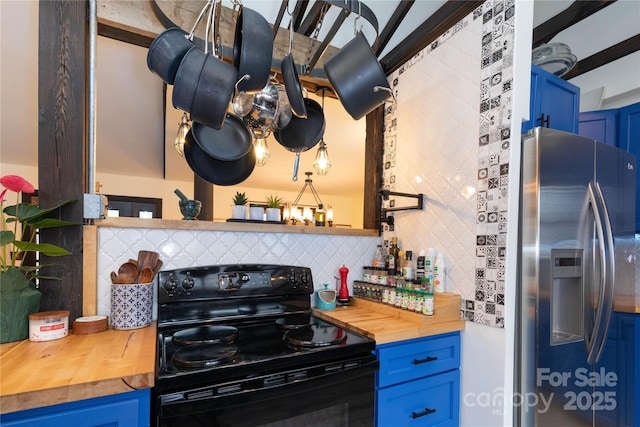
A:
[600,125]
[554,102]
[629,140]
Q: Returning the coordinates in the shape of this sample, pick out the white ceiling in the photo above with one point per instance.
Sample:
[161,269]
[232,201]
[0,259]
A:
[129,112]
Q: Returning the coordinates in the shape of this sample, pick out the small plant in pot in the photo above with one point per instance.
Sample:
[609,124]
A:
[273,207]
[239,206]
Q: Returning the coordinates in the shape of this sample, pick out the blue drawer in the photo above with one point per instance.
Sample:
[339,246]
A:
[431,401]
[413,359]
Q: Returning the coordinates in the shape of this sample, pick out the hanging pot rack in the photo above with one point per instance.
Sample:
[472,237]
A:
[305,23]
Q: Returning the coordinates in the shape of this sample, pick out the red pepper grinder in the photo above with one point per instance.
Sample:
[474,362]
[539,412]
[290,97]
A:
[343,295]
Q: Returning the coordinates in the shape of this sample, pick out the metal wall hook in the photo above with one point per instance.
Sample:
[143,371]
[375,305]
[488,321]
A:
[386,89]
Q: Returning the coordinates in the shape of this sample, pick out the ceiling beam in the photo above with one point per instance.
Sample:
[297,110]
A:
[435,26]
[392,25]
[575,13]
[617,51]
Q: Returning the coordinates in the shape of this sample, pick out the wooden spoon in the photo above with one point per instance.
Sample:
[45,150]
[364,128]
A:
[114,277]
[157,267]
[145,276]
[128,273]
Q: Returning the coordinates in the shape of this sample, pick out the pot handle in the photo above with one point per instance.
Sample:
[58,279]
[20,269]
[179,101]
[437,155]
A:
[296,164]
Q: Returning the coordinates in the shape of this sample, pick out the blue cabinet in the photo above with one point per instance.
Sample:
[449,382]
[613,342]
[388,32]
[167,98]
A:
[624,334]
[554,102]
[619,127]
[629,140]
[130,409]
[419,382]
[600,125]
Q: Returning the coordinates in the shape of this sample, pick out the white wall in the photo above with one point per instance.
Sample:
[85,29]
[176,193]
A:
[456,102]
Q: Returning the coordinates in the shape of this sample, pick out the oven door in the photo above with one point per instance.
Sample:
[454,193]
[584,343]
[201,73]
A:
[326,395]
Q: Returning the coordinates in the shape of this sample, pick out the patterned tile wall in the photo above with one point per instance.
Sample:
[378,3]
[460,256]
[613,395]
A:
[448,137]
[182,248]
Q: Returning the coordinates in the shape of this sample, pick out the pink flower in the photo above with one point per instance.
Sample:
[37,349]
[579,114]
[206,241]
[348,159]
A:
[2,195]
[16,184]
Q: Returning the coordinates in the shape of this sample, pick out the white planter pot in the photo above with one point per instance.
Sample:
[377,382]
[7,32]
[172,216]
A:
[273,214]
[256,213]
[239,212]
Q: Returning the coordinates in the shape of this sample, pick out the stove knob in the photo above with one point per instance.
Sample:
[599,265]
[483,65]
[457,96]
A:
[188,283]
[170,285]
[292,278]
[223,282]
[304,277]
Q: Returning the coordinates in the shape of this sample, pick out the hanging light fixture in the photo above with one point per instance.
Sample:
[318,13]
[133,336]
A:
[307,216]
[181,136]
[260,145]
[322,164]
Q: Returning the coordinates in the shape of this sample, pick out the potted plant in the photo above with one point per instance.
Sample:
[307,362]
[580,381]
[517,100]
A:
[239,206]
[18,294]
[273,207]
[256,212]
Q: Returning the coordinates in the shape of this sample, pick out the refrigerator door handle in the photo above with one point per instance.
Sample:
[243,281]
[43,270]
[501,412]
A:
[595,343]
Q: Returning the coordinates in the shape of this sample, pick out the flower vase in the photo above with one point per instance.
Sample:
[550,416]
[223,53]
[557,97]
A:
[18,299]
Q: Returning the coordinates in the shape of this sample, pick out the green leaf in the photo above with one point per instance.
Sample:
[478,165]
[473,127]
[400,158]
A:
[45,248]
[28,213]
[6,237]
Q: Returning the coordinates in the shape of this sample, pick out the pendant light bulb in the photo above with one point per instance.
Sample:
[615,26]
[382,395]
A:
[181,136]
[262,151]
[322,164]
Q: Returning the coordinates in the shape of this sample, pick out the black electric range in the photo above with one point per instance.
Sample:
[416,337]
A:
[245,331]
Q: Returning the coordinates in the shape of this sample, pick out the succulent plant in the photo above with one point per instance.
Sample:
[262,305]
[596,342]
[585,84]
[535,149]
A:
[240,199]
[273,201]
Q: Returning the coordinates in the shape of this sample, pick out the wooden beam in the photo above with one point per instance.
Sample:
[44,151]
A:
[617,51]
[575,13]
[392,25]
[62,93]
[435,26]
[373,167]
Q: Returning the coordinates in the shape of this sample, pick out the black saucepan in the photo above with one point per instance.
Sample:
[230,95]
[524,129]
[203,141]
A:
[217,172]
[166,52]
[354,73]
[302,134]
[252,49]
[230,142]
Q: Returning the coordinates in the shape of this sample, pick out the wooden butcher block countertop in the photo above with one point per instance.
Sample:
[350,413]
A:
[77,367]
[387,324]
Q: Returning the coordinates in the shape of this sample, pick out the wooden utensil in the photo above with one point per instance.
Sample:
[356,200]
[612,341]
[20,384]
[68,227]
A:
[147,259]
[157,267]
[114,277]
[128,273]
[145,276]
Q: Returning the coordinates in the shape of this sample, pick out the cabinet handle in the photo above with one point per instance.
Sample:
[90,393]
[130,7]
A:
[544,122]
[427,359]
[426,411]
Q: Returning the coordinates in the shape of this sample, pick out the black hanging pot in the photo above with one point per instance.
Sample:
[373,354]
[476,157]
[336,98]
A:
[230,142]
[218,172]
[252,49]
[302,134]
[356,76]
[166,52]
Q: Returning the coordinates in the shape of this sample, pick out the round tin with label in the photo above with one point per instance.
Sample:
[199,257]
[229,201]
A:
[48,325]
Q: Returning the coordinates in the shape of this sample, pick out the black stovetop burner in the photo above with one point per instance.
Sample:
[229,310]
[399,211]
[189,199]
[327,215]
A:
[236,321]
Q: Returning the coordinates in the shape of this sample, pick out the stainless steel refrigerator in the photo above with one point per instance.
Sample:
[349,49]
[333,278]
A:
[577,254]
